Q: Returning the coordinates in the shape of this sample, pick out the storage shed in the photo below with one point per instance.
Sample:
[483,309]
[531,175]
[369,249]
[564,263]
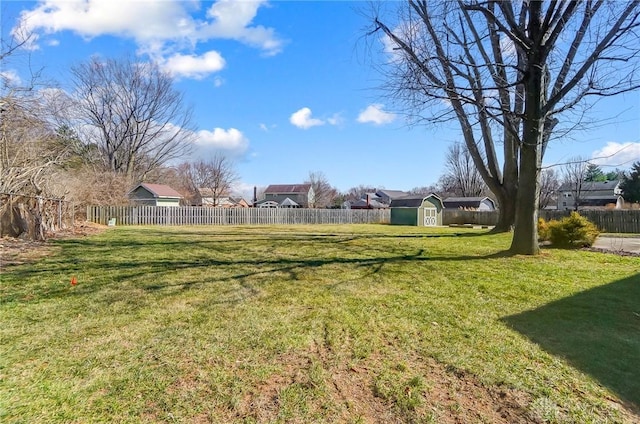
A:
[417,210]
[154,195]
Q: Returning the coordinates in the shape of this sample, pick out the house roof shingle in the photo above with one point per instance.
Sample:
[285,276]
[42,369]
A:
[287,188]
[393,194]
[373,204]
[160,190]
[412,201]
[288,203]
[606,186]
[464,202]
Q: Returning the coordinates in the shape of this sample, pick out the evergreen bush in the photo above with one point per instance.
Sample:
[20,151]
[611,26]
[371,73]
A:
[573,231]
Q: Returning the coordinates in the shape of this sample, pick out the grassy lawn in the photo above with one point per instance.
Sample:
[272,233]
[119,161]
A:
[362,323]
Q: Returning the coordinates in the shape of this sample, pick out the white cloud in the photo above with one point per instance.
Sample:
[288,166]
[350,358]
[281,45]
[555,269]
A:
[10,78]
[617,154]
[218,82]
[232,19]
[336,119]
[266,128]
[143,20]
[164,30]
[374,114]
[243,189]
[302,119]
[231,140]
[192,66]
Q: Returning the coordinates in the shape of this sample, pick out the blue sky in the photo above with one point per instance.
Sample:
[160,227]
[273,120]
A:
[283,87]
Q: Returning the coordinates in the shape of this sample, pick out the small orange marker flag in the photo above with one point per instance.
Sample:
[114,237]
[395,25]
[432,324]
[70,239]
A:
[74,281]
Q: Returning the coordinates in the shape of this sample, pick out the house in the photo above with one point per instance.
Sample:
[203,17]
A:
[386,196]
[369,202]
[207,199]
[590,195]
[288,195]
[233,202]
[470,203]
[378,200]
[417,210]
[154,195]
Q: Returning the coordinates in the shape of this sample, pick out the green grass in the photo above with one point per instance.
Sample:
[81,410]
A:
[305,324]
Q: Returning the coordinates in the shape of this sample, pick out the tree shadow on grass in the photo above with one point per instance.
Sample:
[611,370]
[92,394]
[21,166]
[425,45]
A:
[121,271]
[597,331]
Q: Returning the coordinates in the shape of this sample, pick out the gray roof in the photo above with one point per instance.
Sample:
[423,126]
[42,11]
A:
[465,202]
[412,201]
[288,202]
[159,191]
[598,200]
[287,188]
[393,194]
[373,204]
[606,186]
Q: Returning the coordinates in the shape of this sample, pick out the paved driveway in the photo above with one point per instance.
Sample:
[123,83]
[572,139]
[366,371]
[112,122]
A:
[627,244]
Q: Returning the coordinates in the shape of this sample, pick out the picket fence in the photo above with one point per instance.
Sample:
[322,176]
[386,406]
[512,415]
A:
[162,215]
[610,221]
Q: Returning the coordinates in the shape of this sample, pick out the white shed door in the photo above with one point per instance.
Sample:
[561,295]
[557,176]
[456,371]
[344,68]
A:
[430,217]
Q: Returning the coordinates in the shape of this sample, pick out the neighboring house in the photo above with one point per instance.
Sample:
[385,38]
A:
[207,199]
[379,200]
[590,195]
[417,210]
[233,202]
[289,195]
[267,204]
[154,195]
[386,196]
[470,203]
[369,202]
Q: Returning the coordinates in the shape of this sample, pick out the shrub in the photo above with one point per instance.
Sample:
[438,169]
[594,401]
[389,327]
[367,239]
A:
[572,231]
[543,230]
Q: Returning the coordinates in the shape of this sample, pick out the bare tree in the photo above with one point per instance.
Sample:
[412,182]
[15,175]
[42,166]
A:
[132,113]
[29,152]
[211,179]
[549,185]
[506,71]
[30,156]
[574,174]
[424,190]
[461,175]
[358,192]
[324,192]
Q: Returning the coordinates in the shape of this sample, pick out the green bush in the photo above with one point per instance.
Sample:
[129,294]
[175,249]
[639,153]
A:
[543,230]
[572,231]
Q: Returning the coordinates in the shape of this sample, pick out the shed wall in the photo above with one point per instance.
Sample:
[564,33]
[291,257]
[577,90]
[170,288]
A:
[428,203]
[404,216]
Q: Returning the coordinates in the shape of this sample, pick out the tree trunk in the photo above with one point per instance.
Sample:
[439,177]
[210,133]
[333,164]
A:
[506,210]
[525,235]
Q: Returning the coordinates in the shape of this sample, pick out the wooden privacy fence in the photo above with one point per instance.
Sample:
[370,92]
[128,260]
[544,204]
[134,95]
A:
[460,216]
[607,221]
[162,215]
